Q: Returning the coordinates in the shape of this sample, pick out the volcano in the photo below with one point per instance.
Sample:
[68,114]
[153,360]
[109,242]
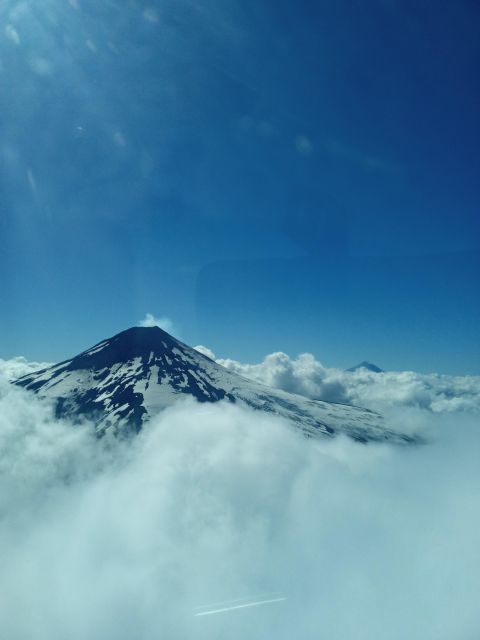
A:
[123,381]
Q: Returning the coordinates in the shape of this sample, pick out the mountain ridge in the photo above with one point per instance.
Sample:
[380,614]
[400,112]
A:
[123,381]
[365,365]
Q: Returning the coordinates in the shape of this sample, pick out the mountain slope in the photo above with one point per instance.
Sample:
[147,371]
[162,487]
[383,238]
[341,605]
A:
[123,381]
[366,365]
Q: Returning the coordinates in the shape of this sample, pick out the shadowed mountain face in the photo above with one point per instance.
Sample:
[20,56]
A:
[125,380]
[366,365]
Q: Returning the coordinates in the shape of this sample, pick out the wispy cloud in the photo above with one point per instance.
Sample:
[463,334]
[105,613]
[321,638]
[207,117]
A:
[164,323]
[205,351]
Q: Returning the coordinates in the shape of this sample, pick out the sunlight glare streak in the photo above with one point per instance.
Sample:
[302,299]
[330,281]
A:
[257,603]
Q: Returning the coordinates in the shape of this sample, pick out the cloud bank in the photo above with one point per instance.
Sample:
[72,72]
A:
[307,376]
[213,504]
[20,366]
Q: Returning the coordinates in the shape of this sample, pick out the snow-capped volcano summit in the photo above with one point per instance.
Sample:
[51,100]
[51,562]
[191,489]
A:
[123,381]
[127,377]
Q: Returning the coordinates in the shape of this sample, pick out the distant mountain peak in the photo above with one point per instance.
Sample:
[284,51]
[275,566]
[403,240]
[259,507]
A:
[366,365]
[123,381]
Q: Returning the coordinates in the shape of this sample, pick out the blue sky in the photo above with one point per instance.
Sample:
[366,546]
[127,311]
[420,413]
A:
[269,175]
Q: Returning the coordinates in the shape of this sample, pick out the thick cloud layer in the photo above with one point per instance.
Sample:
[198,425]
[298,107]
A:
[20,366]
[306,376]
[212,506]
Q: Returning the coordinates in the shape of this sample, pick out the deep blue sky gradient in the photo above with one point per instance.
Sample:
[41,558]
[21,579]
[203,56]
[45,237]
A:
[297,176]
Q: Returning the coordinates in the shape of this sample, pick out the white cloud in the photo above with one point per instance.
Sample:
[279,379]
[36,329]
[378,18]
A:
[19,366]
[164,323]
[214,503]
[438,393]
[205,351]
[306,376]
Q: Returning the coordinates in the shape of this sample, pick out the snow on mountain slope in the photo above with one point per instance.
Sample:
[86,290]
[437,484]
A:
[123,381]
